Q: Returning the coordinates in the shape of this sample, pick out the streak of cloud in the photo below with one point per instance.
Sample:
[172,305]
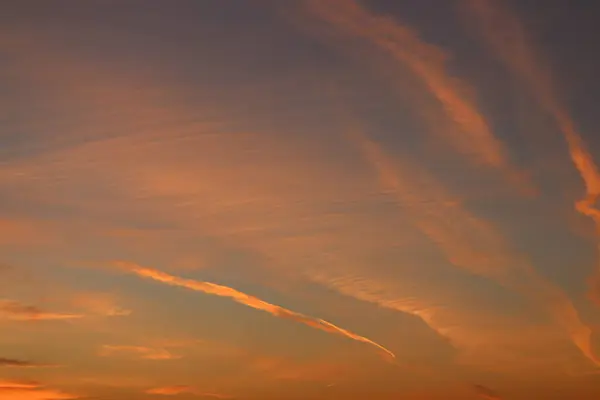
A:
[13,310]
[482,339]
[473,135]
[250,301]
[16,363]
[148,353]
[28,390]
[375,292]
[182,389]
[507,36]
[470,243]
[12,384]
[170,390]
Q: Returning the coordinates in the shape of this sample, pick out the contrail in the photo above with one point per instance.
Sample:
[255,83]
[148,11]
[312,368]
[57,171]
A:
[250,301]
[506,35]
[470,133]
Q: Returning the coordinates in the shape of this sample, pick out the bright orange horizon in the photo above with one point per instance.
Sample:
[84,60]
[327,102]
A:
[309,199]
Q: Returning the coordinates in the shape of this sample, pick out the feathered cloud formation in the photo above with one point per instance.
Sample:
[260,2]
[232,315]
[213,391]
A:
[143,166]
[507,37]
[471,243]
[471,134]
[250,301]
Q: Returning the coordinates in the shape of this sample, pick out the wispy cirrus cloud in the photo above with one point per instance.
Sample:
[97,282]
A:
[30,390]
[16,311]
[147,353]
[469,242]
[482,338]
[240,186]
[471,134]
[508,38]
[248,300]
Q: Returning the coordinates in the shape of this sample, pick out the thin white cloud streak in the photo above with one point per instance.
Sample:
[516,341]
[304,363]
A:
[468,242]
[472,135]
[250,301]
[508,39]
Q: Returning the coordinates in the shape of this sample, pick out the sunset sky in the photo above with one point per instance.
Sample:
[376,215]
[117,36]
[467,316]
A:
[299,200]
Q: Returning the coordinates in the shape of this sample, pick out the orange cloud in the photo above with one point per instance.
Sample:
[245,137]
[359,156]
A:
[507,36]
[13,310]
[170,390]
[148,353]
[27,390]
[18,384]
[250,301]
[483,339]
[181,389]
[473,135]
[376,292]
[470,243]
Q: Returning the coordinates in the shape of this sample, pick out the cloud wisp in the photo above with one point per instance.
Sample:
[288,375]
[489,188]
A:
[507,37]
[16,363]
[30,390]
[248,300]
[470,243]
[147,353]
[183,389]
[15,311]
[471,134]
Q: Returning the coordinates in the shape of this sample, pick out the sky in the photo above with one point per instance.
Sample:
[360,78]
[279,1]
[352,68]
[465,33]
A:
[302,199]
